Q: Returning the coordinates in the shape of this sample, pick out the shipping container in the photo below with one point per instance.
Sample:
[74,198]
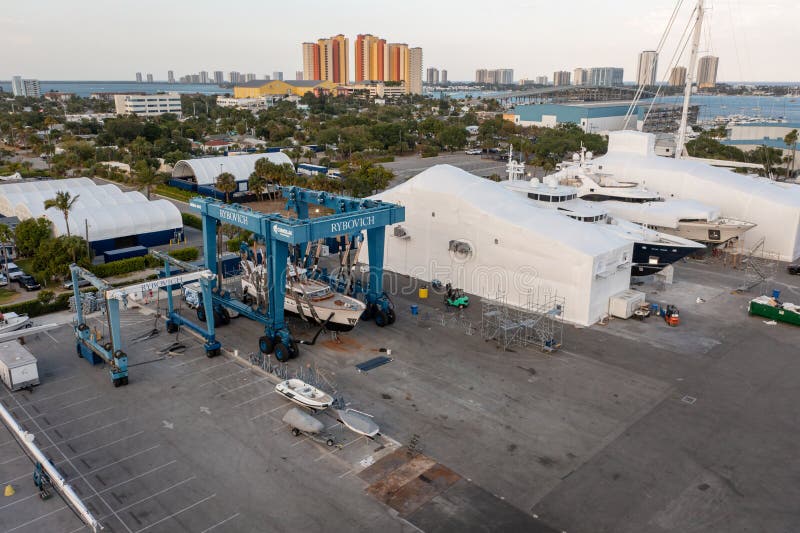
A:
[18,368]
[124,253]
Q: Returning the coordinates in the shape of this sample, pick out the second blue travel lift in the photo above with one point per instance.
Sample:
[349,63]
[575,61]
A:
[351,216]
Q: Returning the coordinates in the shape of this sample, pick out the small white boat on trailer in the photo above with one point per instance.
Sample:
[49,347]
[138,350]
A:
[302,422]
[304,395]
[358,422]
[13,322]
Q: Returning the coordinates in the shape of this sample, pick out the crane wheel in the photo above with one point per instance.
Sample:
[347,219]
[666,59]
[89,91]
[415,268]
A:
[282,352]
[391,316]
[266,345]
[381,318]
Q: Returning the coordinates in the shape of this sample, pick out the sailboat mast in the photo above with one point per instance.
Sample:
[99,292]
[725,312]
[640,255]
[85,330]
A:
[690,75]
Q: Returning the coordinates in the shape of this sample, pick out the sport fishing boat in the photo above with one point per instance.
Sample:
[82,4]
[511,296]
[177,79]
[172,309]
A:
[308,298]
[652,250]
[632,202]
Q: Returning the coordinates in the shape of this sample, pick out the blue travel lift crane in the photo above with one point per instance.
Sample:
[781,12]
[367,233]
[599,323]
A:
[175,320]
[87,344]
[277,232]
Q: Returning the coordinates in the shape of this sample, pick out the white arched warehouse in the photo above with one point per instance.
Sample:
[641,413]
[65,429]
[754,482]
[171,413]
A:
[112,218]
[204,171]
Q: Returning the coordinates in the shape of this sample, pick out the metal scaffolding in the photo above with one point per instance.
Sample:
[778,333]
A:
[759,267]
[539,323]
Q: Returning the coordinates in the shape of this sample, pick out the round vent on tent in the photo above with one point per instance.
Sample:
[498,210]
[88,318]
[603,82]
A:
[460,249]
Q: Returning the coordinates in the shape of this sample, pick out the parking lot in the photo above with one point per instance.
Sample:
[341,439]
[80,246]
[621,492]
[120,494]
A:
[405,167]
[650,428]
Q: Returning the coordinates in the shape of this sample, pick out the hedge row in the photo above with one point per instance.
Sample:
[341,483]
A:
[125,266]
[34,308]
[192,221]
[174,192]
[185,254]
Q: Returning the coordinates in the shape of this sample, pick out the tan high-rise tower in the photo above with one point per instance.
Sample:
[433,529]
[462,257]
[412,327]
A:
[677,78]
[707,72]
[414,80]
[646,70]
[311,61]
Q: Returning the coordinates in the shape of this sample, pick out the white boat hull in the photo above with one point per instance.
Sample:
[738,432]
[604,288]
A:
[303,394]
[708,232]
[13,322]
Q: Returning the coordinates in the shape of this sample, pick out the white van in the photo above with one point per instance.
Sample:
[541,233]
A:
[193,296]
[13,272]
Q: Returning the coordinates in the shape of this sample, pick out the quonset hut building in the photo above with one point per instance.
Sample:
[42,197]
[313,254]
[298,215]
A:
[199,175]
[113,218]
[494,243]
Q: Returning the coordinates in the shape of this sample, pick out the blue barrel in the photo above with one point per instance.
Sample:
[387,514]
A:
[414,310]
[654,308]
[776,294]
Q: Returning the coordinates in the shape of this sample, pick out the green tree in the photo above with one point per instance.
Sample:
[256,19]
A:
[453,137]
[295,154]
[363,178]
[30,233]
[6,236]
[54,255]
[791,142]
[145,176]
[63,202]
[257,184]
[226,183]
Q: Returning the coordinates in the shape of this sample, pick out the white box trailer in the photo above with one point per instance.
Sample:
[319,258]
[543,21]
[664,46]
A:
[18,368]
[623,304]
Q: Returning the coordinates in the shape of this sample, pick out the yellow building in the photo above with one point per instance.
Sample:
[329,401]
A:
[258,88]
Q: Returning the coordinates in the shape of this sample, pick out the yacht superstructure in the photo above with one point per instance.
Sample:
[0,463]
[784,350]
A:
[652,250]
[689,219]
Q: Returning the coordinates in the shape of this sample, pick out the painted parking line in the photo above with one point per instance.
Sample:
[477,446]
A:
[90,472]
[231,517]
[65,407]
[301,441]
[243,386]
[143,474]
[271,411]
[217,380]
[159,493]
[29,522]
[37,400]
[80,418]
[254,398]
[328,454]
[173,515]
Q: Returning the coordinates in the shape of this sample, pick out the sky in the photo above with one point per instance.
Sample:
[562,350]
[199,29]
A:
[112,40]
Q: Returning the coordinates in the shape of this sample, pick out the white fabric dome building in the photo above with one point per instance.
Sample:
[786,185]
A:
[113,218]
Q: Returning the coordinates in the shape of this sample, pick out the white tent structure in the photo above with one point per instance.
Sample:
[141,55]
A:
[106,212]
[774,207]
[492,242]
[204,170]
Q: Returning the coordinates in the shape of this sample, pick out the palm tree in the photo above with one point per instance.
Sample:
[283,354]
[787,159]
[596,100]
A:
[226,183]
[144,176]
[257,184]
[791,142]
[6,236]
[63,202]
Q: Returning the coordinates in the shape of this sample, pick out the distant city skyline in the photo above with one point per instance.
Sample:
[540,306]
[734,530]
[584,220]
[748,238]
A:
[744,37]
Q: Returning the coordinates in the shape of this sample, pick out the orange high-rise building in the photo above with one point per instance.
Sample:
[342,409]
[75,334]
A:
[327,59]
[369,56]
